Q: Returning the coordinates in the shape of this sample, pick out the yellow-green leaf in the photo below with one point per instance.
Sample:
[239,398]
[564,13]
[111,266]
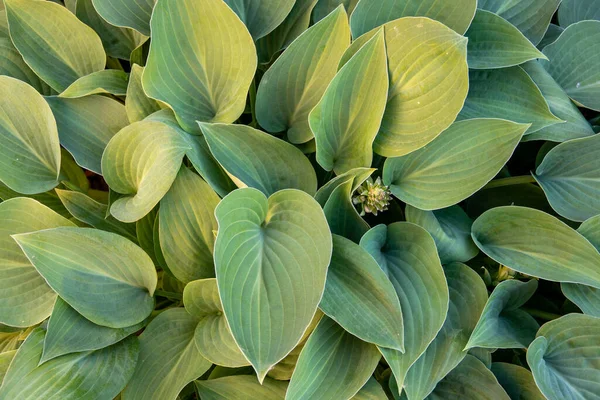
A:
[109,81]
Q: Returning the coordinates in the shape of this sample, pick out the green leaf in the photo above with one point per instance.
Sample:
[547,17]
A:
[259,160]
[137,104]
[370,14]
[37,28]
[551,35]
[524,194]
[13,65]
[6,358]
[324,7]
[241,387]
[451,230]
[517,381]
[570,177]
[49,199]
[213,60]
[371,391]
[537,244]
[144,230]
[573,11]
[83,264]
[560,104]
[130,13]
[93,213]
[359,296]
[69,332]
[503,325]
[295,83]
[71,175]
[284,245]
[109,81]
[358,176]
[83,128]
[187,225]
[168,358]
[407,254]
[261,16]
[141,162]
[212,336]
[507,93]
[496,43]
[25,298]
[563,358]
[30,151]
[342,217]
[347,118]
[455,165]
[70,377]
[344,362]
[575,62]
[469,380]
[468,295]
[531,17]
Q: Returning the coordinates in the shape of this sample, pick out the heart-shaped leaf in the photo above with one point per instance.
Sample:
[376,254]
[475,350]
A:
[109,81]
[517,381]
[241,387]
[130,13]
[284,245]
[261,16]
[82,264]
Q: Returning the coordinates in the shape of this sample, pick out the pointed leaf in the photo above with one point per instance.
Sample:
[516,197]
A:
[344,362]
[284,245]
[455,165]
[261,16]
[260,160]
[82,264]
[324,7]
[241,387]
[517,381]
[295,83]
[537,244]
[347,118]
[109,81]
[213,60]
[137,104]
[130,13]
[38,28]
[407,254]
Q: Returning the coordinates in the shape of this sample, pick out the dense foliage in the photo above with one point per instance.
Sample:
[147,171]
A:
[299,199]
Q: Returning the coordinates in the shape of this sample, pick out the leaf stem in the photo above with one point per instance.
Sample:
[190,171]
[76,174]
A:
[546,316]
[513,180]
[168,295]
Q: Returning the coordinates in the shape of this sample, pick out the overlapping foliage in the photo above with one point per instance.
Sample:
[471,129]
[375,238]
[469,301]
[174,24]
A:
[299,199]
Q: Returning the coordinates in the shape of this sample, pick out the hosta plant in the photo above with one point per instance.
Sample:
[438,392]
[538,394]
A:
[299,199]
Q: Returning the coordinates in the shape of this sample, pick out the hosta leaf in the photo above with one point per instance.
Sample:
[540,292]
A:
[537,244]
[570,177]
[324,7]
[82,264]
[12,64]
[451,230]
[118,42]
[38,29]
[575,126]
[71,175]
[340,212]
[551,35]
[344,362]
[83,128]
[347,118]
[358,176]
[517,381]
[141,162]
[69,332]
[70,377]
[370,14]
[564,358]
[468,295]
[213,61]
[531,17]
[496,43]
[261,16]
[524,194]
[93,213]
[359,296]
[575,62]
[144,230]
[455,165]
[503,324]
[168,358]
[30,151]
[137,104]
[573,11]
[259,160]
[469,380]
[295,83]
[284,245]
[6,358]
[25,298]
[507,93]
[371,391]
[110,81]
[130,13]
[212,336]
[407,254]
[241,387]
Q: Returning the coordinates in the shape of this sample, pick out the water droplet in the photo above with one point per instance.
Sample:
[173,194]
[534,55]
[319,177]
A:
[578,85]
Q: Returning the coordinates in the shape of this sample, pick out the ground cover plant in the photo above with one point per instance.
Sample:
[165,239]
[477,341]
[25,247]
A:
[299,199]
